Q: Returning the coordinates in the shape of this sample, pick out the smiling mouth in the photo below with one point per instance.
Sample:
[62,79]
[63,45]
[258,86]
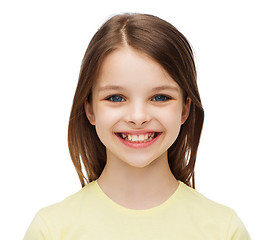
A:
[141,138]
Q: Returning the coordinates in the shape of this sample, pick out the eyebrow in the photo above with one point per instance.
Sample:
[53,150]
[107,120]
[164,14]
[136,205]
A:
[115,87]
[110,87]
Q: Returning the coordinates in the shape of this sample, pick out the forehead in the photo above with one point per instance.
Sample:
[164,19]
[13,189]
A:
[130,67]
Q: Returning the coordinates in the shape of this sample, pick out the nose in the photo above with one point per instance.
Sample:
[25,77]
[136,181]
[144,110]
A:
[138,114]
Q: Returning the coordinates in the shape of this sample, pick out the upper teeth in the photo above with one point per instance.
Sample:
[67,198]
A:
[141,137]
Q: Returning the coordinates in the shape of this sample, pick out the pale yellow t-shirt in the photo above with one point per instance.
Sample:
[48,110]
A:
[91,215]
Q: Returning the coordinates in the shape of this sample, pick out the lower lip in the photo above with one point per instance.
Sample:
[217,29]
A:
[138,145]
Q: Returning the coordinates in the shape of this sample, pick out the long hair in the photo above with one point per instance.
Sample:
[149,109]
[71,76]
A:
[167,46]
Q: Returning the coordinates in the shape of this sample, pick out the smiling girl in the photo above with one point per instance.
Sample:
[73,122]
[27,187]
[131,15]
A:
[135,127]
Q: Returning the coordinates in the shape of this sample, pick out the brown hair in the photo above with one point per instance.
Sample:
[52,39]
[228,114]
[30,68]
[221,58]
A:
[166,45]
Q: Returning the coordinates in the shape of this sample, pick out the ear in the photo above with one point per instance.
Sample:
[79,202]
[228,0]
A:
[186,110]
[89,112]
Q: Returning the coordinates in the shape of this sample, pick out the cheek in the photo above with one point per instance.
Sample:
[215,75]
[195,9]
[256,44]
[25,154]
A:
[107,116]
[171,119]
[105,119]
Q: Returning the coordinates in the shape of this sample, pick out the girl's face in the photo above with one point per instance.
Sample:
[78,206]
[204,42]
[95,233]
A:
[137,108]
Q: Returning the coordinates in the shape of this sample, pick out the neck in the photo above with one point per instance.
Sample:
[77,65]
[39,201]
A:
[138,188]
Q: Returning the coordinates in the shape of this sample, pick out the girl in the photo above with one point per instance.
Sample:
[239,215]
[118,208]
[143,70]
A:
[135,127]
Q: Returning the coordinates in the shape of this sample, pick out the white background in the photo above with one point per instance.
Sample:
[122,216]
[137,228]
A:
[236,44]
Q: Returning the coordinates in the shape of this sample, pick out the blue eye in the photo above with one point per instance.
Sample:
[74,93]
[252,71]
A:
[116,98]
[161,98]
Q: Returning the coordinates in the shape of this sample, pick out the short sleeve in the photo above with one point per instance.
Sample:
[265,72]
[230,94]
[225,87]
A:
[237,230]
[37,230]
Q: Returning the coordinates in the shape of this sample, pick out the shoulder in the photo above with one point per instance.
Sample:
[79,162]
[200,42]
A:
[49,221]
[195,200]
[70,207]
[221,219]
